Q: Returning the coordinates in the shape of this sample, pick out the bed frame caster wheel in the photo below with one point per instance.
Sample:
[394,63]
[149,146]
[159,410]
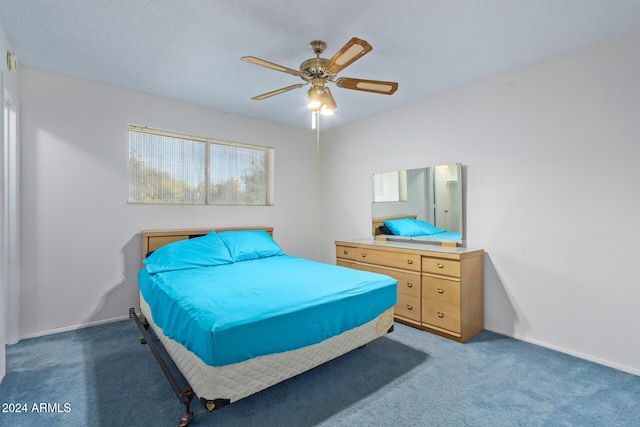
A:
[186,419]
[142,340]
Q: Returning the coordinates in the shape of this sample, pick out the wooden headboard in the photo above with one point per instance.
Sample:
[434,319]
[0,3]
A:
[377,222]
[153,239]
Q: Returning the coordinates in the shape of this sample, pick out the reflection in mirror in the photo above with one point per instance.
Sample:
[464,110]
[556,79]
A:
[419,204]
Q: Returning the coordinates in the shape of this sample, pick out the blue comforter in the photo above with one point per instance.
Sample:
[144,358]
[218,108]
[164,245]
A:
[230,313]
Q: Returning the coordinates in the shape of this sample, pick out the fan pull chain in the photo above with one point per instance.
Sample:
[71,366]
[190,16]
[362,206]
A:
[318,135]
[315,125]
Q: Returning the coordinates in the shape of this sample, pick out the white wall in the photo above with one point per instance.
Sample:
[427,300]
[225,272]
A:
[9,215]
[550,155]
[80,239]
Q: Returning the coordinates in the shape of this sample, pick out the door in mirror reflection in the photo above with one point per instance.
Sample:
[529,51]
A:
[447,197]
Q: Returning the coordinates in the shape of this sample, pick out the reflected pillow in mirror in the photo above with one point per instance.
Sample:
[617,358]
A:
[404,227]
[250,244]
[427,227]
[411,227]
[205,251]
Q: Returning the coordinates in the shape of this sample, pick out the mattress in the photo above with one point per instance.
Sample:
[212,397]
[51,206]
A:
[234,312]
[238,380]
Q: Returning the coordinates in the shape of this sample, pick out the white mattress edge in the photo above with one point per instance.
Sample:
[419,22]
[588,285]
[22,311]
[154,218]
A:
[243,379]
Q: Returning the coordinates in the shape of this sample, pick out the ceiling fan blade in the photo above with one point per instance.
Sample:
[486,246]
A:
[375,86]
[350,52]
[267,64]
[277,92]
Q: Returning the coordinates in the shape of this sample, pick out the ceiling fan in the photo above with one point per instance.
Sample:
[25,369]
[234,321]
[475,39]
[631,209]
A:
[320,71]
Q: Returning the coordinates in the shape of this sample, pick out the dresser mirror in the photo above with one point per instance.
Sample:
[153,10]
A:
[432,194]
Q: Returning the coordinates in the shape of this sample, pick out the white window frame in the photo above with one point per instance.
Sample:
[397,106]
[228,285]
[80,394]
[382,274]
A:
[209,149]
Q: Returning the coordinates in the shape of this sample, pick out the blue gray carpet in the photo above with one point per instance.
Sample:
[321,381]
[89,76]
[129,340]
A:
[103,376]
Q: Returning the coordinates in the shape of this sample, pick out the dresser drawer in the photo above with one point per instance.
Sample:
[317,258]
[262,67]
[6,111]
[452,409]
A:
[408,283]
[346,263]
[408,307]
[441,290]
[443,315]
[447,267]
[346,252]
[405,261]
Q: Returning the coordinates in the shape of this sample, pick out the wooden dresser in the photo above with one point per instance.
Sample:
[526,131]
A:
[440,289]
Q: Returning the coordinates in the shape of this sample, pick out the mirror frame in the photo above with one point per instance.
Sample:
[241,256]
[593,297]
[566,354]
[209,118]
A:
[439,189]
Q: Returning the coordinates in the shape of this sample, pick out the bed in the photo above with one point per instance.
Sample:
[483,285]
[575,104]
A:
[410,227]
[237,315]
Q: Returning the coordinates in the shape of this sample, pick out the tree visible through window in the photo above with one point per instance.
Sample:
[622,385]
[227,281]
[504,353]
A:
[171,168]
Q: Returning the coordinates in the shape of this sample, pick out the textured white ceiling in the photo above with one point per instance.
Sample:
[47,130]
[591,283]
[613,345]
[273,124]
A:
[190,50]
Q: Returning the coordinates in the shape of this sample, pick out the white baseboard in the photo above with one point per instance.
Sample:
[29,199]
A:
[577,354]
[73,327]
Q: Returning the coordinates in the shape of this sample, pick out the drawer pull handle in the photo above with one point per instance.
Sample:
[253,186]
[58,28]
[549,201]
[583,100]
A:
[440,290]
[364,255]
[440,314]
[409,307]
[409,285]
[409,261]
[345,252]
[439,265]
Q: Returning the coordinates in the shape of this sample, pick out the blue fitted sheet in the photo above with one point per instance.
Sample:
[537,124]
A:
[230,313]
[445,235]
[436,237]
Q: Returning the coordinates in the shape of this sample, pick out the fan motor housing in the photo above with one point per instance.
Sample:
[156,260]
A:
[314,68]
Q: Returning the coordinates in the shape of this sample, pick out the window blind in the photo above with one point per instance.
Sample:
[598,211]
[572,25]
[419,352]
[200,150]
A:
[171,168]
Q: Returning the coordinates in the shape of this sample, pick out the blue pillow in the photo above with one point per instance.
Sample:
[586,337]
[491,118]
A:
[427,228]
[202,251]
[404,227]
[250,244]
[411,227]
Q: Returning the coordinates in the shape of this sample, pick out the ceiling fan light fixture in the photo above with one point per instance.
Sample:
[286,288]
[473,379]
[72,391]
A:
[325,111]
[316,93]
[315,98]
[328,103]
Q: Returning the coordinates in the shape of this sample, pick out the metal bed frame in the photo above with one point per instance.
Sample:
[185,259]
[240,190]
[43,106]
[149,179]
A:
[185,394]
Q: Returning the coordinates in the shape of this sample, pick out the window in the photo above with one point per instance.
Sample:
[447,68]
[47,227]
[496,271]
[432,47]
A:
[171,168]
[390,186]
